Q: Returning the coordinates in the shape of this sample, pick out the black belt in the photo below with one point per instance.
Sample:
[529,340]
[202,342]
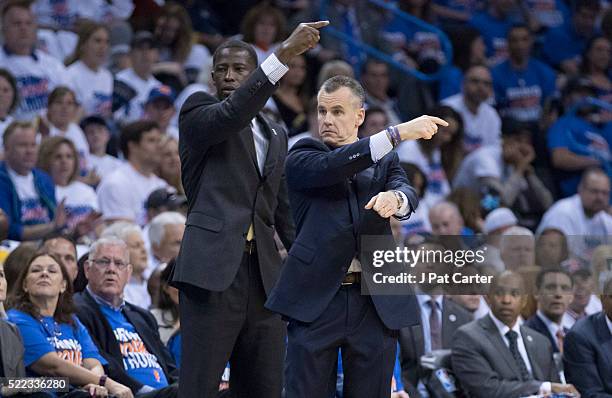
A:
[351,278]
[250,247]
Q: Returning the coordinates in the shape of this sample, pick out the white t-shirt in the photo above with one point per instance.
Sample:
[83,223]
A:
[482,128]
[485,161]
[105,11]
[81,200]
[135,108]
[36,75]
[103,165]
[32,210]
[94,90]
[437,183]
[58,44]
[122,194]
[76,135]
[583,234]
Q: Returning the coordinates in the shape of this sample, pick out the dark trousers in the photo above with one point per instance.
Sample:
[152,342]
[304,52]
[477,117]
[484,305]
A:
[231,325]
[349,323]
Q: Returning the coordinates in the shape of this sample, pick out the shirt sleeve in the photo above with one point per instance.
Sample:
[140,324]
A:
[404,209]
[273,68]
[88,348]
[34,340]
[380,146]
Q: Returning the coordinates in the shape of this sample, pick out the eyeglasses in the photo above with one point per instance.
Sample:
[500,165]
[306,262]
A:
[104,263]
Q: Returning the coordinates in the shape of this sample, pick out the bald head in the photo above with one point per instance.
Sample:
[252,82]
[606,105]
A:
[445,219]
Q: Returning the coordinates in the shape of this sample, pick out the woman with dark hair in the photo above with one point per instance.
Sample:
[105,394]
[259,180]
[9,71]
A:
[15,262]
[291,98]
[439,157]
[8,99]
[167,312]
[264,28]
[597,66]
[178,41]
[92,81]
[58,158]
[56,342]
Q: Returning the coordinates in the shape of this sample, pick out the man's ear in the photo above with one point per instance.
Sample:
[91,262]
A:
[360,117]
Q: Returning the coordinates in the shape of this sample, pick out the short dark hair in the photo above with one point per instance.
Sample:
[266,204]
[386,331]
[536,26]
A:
[49,239]
[337,82]
[581,274]
[551,270]
[371,61]
[14,126]
[238,45]
[13,83]
[133,133]
[25,4]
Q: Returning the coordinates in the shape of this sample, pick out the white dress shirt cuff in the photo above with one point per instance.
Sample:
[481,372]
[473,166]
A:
[273,68]
[545,388]
[405,208]
[380,146]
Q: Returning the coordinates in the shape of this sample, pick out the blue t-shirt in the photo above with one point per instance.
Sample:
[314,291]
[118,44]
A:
[174,345]
[562,44]
[419,43]
[138,362]
[550,13]
[45,335]
[494,32]
[520,94]
[582,138]
[450,82]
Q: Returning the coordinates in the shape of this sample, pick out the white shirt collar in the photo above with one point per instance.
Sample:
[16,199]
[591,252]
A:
[552,326]
[503,328]
[424,298]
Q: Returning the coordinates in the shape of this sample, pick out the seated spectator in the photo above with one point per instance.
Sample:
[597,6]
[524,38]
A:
[170,164]
[132,86]
[61,117]
[375,120]
[583,217]
[551,248]
[522,84]
[122,194]
[165,234]
[167,311]
[97,134]
[482,124]
[587,351]
[58,157]
[468,50]
[451,13]
[562,46]
[135,291]
[64,249]
[496,223]
[263,27]
[517,248]
[15,262]
[336,67]
[8,100]
[56,342]
[92,81]
[27,194]
[596,65]
[291,97]
[126,335]
[584,287]
[159,108]
[440,318]
[36,73]
[163,200]
[527,367]
[375,80]
[507,172]
[554,292]
[445,219]
[470,207]
[493,23]
[575,140]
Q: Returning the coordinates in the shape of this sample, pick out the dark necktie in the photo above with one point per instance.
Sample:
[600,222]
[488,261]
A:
[513,338]
[435,327]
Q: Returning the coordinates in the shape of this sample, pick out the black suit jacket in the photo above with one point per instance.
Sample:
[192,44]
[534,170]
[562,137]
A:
[327,238]
[91,316]
[225,190]
[485,367]
[587,357]
[537,324]
[412,343]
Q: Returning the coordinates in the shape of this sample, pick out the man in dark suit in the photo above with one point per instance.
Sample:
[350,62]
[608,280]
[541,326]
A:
[232,161]
[126,335]
[554,294]
[495,356]
[588,351]
[340,190]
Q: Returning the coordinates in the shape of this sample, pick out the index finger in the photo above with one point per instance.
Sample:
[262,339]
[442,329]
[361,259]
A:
[317,25]
[439,121]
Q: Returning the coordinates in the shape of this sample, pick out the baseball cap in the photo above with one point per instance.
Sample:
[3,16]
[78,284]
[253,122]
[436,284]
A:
[165,197]
[93,119]
[161,92]
[499,218]
[141,38]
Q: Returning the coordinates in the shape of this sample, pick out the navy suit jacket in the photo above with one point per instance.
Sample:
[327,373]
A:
[537,324]
[587,357]
[318,179]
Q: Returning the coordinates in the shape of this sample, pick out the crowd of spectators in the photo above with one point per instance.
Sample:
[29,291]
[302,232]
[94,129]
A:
[92,209]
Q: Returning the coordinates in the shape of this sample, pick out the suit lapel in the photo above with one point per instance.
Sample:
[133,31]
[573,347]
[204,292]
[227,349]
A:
[449,323]
[496,339]
[604,336]
[246,137]
[532,353]
[273,144]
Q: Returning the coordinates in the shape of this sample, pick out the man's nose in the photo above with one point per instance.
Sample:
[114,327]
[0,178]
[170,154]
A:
[229,75]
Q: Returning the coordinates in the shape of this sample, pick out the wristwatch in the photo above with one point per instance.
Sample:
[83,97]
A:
[400,199]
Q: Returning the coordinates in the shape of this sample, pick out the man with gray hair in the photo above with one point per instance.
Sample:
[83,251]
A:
[517,248]
[125,334]
[445,219]
[165,235]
